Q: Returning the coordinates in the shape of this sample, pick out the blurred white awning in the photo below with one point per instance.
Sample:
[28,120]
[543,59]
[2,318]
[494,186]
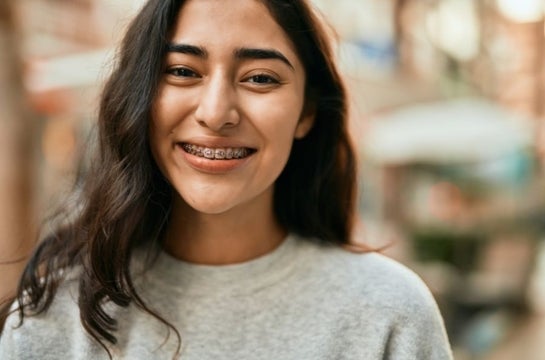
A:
[464,130]
[68,71]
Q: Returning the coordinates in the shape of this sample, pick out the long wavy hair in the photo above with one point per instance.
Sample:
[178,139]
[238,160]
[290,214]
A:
[123,201]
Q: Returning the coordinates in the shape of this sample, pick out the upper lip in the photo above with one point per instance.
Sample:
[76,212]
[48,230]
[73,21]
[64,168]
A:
[216,143]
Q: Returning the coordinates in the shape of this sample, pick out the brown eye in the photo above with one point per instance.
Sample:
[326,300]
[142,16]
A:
[182,72]
[262,79]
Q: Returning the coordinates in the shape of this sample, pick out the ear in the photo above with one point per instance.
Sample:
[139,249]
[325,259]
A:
[305,122]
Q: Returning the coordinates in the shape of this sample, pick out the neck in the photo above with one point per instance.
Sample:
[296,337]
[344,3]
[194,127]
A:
[238,235]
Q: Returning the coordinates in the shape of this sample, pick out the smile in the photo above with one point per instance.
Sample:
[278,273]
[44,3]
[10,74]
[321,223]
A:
[217,153]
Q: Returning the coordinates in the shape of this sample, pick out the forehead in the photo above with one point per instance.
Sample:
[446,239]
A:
[218,24]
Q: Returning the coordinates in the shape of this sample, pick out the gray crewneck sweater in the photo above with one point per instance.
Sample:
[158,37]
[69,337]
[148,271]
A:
[302,301]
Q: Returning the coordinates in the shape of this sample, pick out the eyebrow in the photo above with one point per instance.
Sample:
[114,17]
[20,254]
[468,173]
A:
[188,49]
[241,53]
[250,53]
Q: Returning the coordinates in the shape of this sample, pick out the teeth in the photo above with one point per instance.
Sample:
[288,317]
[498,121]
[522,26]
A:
[209,153]
[228,153]
[217,153]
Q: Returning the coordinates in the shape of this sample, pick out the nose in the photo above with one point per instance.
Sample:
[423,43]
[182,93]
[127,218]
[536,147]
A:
[217,109]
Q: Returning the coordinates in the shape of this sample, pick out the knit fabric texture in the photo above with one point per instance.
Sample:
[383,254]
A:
[301,301]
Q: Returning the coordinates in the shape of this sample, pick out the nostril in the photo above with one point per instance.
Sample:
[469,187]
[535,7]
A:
[218,121]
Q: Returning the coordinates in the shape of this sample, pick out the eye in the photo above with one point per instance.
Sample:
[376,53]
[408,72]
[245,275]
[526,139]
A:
[182,72]
[263,79]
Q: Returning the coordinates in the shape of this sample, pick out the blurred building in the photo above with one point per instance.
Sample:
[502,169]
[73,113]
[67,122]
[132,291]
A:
[16,154]
[53,56]
[66,50]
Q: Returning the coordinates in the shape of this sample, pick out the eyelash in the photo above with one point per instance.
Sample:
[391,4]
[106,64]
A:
[182,72]
[258,79]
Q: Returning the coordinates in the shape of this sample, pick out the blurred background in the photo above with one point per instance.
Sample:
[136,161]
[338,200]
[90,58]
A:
[447,115]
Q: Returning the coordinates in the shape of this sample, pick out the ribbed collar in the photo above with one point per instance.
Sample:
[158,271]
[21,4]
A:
[245,277]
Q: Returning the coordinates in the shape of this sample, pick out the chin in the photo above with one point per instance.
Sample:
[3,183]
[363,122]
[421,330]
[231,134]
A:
[206,207]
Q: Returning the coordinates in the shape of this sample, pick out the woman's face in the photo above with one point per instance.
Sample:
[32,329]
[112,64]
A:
[229,106]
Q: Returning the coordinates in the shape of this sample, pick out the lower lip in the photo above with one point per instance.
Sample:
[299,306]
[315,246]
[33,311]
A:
[213,166]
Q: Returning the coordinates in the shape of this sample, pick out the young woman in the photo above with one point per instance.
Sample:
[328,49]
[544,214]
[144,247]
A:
[214,221]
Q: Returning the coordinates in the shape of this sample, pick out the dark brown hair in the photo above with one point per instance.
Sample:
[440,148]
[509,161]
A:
[124,201]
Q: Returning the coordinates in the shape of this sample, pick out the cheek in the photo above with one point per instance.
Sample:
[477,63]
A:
[168,109]
[278,129]
[281,124]
[277,115]
[159,139]
[165,116]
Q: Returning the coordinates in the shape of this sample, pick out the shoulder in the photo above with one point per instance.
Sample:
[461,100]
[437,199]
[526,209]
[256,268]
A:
[53,333]
[379,296]
[370,279]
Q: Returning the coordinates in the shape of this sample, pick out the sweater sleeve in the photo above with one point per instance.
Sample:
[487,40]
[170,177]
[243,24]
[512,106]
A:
[419,333]
[12,341]
[53,334]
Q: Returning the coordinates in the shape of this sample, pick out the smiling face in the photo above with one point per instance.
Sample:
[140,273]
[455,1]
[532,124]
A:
[229,106]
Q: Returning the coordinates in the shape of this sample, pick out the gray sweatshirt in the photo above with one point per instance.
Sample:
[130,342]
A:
[302,301]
